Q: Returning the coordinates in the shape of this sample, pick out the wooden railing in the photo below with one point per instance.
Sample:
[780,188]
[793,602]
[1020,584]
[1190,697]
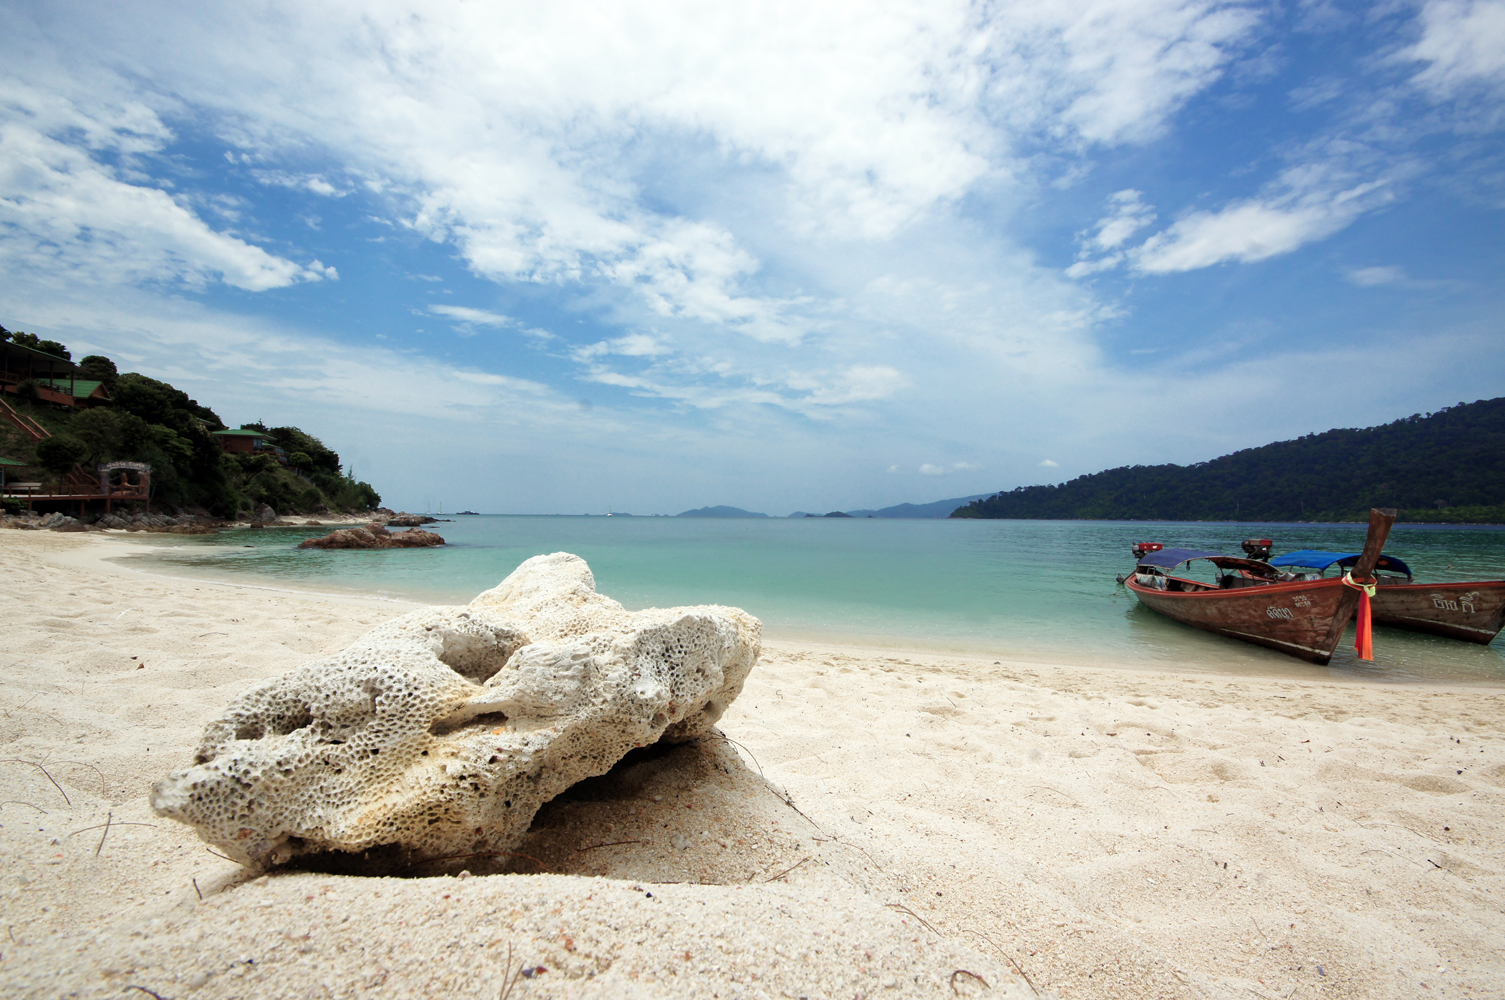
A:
[32,429]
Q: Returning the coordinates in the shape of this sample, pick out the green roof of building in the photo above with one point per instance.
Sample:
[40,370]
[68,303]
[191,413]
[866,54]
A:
[254,434]
[80,388]
[10,461]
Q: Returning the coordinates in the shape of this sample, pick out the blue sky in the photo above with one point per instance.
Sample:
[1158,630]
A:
[554,258]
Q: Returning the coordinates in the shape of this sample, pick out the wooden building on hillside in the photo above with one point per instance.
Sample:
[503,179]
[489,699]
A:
[58,380]
[248,442]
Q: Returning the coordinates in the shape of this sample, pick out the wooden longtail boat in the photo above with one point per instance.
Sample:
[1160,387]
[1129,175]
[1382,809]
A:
[1472,610]
[1304,618]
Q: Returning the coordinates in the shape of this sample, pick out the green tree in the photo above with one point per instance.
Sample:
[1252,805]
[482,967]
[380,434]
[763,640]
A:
[134,432]
[37,344]
[187,461]
[99,430]
[60,453]
[100,368]
[291,439]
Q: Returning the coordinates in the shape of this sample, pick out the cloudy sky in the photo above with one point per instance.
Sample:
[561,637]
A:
[557,257]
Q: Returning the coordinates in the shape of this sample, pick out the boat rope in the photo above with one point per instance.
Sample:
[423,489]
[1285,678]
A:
[1367,588]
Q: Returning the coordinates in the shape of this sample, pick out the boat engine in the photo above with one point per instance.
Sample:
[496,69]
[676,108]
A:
[1142,549]
[1258,548]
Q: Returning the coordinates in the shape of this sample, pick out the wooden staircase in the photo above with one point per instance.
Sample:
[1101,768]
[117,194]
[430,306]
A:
[77,482]
[30,427]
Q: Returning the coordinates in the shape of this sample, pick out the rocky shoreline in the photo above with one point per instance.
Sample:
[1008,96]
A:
[199,522]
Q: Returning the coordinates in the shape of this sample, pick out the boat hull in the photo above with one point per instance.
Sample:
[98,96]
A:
[1304,619]
[1473,611]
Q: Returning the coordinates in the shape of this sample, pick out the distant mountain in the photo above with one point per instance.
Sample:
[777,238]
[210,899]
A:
[721,511]
[938,508]
[1447,466]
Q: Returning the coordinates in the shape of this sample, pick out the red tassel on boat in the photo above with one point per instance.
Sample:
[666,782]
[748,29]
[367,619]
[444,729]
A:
[1363,642]
[1363,639]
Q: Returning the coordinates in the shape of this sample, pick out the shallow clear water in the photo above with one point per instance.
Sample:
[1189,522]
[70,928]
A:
[1020,589]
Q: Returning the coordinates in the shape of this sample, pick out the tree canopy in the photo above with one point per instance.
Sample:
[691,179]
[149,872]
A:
[148,420]
[35,343]
[1443,466]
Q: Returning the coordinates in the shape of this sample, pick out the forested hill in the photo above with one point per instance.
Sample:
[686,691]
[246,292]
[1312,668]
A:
[1447,466]
[141,419]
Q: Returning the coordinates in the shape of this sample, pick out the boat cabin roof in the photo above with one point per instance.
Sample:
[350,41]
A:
[1317,559]
[1171,558]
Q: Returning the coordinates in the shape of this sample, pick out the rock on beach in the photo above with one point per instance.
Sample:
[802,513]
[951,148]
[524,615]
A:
[441,733]
[373,536]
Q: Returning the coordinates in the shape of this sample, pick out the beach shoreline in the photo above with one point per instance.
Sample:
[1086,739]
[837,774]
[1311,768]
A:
[144,553]
[878,822]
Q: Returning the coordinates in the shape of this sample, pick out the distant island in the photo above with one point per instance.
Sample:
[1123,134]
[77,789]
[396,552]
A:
[719,511]
[934,509]
[1442,467]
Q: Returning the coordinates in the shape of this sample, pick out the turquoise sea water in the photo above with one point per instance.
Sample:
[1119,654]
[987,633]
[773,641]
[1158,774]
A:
[1022,589]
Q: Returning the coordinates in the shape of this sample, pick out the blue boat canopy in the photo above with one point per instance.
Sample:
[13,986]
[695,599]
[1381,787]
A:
[1317,559]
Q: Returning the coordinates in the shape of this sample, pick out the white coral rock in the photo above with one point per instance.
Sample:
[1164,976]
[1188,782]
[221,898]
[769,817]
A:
[440,733]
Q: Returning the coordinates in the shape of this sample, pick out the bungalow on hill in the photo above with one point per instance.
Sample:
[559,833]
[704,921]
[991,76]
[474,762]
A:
[249,442]
[58,380]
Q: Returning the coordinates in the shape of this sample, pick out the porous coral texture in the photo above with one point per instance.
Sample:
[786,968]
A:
[440,733]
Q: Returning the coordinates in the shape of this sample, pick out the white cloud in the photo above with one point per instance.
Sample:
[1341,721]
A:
[1368,277]
[1308,202]
[1048,464]
[314,183]
[1329,186]
[1394,276]
[1108,72]
[1127,214]
[473,317]
[945,470]
[733,188]
[68,215]
[1463,45]
[634,345]
[506,129]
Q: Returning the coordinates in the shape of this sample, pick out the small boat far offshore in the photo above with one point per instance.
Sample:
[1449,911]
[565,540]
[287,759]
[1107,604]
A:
[1470,610]
[1303,618]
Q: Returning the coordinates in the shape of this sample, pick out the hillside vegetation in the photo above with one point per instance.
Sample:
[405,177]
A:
[150,421]
[1447,466]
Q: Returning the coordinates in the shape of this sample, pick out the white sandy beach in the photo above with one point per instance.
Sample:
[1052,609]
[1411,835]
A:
[877,825]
